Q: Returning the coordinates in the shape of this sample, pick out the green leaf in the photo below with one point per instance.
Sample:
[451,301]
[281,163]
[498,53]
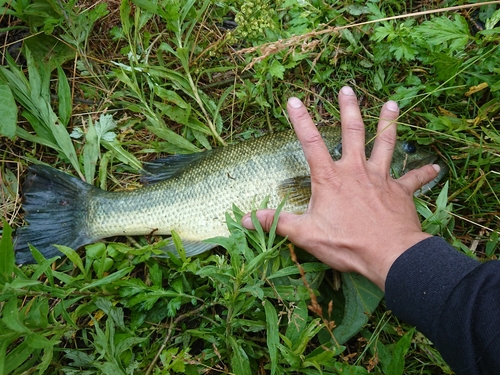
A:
[72,255]
[239,358]
[37,341]
[174,139]
[10,317]
[294,270]
[17,357]
[442,30]
[297,321]
[90,152]
[273,338]
[493,20]
[7,258]
[64,95]
[110,278]
[49,50]
[125,16]
[147,5]
[397,364]
[361,299]
[277,69]
[8,112]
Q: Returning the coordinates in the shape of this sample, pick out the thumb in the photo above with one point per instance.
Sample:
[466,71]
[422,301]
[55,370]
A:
[286,221]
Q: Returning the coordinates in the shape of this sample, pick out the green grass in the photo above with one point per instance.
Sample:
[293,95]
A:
[102,87]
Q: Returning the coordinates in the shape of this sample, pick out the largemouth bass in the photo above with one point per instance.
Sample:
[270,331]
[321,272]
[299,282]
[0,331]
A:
[187,193]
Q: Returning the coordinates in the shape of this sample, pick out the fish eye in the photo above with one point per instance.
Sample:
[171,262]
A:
[409,147]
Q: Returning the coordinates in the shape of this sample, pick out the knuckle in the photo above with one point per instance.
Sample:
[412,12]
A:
[313,139]
[355,126]
[387,139]
[350,100]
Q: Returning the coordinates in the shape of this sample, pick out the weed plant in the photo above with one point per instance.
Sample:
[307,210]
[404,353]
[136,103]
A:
[101,87]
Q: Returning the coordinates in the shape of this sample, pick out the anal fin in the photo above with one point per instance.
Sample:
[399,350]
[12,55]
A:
[191,248]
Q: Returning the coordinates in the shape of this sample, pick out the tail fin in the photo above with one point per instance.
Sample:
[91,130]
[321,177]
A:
[55,204]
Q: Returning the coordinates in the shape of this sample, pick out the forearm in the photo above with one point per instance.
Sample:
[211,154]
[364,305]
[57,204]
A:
[453,300]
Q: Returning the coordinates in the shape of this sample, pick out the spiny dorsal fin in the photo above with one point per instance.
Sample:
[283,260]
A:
[165,168]
[296,189]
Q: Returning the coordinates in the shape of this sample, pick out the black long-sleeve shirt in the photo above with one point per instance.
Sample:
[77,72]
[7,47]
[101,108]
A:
[453,300]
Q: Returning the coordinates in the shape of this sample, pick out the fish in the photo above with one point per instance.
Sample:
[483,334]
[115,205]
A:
[188,194]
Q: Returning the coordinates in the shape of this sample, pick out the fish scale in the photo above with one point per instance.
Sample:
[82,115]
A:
[190,194]
[194,203]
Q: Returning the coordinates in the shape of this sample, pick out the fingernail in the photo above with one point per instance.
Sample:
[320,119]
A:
[346,90]
[294,102]
[392,106]
[436,167]
[247,222]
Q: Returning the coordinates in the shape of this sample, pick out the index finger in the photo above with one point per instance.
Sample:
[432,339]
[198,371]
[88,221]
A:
[314,147]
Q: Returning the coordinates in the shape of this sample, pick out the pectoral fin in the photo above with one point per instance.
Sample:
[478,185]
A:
[296,190]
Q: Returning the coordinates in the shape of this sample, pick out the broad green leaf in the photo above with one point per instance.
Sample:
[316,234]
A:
[64,95]
[442,200]
[361,299]
[287,293]
[10,317]
[171,96]
[90,152]
[173,138]
[49,50]
[125,16]
[147,5]
[8,112]
[297,321]
[493,20]
[48,353]
[37,314]
[277,69]
[37,341]
[121,154]
[273,338]
[17,357]
[306,335]
[18,284]
[179,246]
[442,30]
[7,258]
[397,364]
[239,358]
[43,136]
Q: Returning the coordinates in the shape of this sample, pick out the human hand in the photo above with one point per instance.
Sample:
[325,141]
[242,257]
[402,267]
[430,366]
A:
[359,218]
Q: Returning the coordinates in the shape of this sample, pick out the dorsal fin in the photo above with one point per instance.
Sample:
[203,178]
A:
[165,168]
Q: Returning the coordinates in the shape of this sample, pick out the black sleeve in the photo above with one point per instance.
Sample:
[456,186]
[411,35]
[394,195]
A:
[453,300]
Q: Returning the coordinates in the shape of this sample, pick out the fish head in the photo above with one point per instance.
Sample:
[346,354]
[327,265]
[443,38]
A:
[407,156]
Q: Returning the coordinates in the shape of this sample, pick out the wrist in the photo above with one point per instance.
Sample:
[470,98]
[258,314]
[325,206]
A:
[377,266]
